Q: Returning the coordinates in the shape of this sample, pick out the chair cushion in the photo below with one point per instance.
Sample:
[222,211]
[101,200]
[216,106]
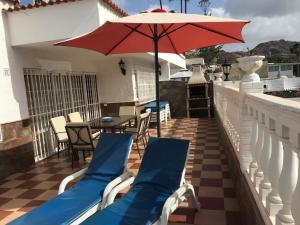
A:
[67,206]
[141,206]
[159,176]
[152,105]
[108,162]
[163,163]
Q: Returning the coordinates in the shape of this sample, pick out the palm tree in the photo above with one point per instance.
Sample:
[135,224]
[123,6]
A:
[160,3]
[182,3]
[295,49]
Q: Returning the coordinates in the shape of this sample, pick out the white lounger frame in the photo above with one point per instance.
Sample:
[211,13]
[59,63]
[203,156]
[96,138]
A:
[111,185]
[184,192]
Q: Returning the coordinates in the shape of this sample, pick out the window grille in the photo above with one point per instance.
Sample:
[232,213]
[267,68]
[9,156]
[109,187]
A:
[58,93]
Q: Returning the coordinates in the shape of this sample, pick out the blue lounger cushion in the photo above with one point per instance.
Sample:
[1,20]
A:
[109,161]
[159,176]
[152,105]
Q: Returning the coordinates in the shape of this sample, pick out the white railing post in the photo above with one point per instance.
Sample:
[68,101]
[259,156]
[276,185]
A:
[273,202]
[245,125]
[254,139]
[287,180]
[265,185]
[258,175]
[296,196]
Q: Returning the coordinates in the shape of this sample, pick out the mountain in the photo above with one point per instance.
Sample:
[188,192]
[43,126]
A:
[275,51]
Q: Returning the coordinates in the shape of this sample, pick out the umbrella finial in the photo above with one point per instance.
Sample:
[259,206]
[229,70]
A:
[159,10]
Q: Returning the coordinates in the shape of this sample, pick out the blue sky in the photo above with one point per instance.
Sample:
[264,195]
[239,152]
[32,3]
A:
[133,6]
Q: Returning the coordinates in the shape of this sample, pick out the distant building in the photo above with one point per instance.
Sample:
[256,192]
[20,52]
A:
[276,70]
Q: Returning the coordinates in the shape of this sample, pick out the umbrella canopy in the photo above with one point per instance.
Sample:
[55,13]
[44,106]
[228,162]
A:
[159,31]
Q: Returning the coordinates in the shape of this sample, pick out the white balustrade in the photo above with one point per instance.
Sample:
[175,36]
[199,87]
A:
[265,185]
[296,196]
[264,131]
[254,139]
[287,184]
[274,203]
[258,175]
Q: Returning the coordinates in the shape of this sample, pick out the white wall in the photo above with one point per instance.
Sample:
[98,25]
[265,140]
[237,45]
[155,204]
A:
[114,86]
[282,84]
[165,71]
[53,23]
[13,101]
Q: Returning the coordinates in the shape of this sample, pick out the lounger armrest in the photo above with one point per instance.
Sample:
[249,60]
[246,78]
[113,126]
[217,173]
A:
[114,187]
[69,178]
[174,200]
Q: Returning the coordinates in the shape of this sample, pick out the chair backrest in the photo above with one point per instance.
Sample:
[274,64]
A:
[80,135]
[127,110]
[75,117]
[111,155]
[58,125]
[142,122]
[163,163]
[148,120]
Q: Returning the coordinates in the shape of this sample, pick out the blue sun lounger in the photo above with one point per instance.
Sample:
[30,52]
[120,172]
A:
[157,190]
[106,170]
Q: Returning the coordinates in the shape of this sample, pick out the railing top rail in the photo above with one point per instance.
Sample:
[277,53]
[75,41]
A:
[274,101]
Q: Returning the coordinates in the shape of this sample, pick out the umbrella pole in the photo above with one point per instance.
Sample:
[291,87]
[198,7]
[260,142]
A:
[155,40]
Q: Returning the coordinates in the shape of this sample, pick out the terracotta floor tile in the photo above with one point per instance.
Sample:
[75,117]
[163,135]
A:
[11,184]
[14,204]
[210,217]
[211,203]
[211,182]
[13,193]
[11,217]
[28,184]
[211,192]
[231,204]
[31,205]
[233,218]
[4,214]
[31,194]
[45,185]
[47,195]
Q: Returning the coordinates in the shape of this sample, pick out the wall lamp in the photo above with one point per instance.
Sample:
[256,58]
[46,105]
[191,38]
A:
[122,67]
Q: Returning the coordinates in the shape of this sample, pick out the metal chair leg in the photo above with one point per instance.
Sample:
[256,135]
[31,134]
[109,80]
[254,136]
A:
[58,149]
[143,142]
[137,146]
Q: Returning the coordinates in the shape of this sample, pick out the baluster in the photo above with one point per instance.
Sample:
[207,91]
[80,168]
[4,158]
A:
[287,183]
[274,203]
[265,185]
[296,196]
[258,176]
[254,140]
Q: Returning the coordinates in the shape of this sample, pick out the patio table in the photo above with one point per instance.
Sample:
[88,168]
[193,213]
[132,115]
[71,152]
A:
[116,123]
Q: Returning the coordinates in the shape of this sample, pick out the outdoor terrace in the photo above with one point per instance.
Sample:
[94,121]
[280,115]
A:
[207,169]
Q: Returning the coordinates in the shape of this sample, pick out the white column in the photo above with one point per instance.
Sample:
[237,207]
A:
[296,196]
[245,154]
[258,176]
[265,185]
[274,203]
[254,140]
[287,184]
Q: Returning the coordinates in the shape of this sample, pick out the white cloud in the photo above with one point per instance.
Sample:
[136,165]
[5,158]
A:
[263,28]
[269,8]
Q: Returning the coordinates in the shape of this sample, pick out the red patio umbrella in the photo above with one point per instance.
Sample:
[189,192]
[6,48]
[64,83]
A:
[159,31]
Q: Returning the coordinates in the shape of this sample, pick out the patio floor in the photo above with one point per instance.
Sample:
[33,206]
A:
[207,170]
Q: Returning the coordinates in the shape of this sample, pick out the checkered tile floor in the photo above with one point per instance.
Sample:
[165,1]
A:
[207,170]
